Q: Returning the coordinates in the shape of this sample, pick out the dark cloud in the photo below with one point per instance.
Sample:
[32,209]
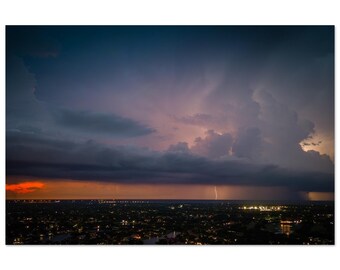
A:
[181,147]
[282,131]
[248,144]
[31,41]
[40,157]
[231,101]
[26,138]
[214,145]
[24,109]
[21,104]
[113,125]
[278,118]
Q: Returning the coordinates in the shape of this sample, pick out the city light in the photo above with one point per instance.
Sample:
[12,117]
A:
[168,222]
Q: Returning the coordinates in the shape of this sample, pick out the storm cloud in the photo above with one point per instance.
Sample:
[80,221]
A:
[251,106]
[111,124]
[91,161]
[213,145]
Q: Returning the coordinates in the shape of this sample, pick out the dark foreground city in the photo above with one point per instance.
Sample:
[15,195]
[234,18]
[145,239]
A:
[91,222]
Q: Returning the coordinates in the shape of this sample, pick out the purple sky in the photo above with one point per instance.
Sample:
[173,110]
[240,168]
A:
[181,106]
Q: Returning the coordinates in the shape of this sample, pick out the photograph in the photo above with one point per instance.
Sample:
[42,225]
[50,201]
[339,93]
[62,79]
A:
[169,135]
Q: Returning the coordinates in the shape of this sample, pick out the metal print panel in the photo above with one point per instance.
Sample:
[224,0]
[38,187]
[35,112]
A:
[185,135]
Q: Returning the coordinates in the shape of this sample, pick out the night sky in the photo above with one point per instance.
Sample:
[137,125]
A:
[166,112]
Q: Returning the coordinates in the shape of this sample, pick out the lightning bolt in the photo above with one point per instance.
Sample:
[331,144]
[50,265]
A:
[216,195]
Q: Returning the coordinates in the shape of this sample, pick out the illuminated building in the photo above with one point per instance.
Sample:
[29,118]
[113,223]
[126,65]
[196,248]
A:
[286,227]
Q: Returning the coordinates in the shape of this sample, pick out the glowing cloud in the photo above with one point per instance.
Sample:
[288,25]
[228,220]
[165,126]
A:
[25,187]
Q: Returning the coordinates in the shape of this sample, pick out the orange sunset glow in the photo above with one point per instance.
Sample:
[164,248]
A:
[24,187]
[70,189]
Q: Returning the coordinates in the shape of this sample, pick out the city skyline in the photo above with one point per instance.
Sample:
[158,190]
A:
[176,112]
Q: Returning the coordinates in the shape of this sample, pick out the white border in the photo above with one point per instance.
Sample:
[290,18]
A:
[163,12]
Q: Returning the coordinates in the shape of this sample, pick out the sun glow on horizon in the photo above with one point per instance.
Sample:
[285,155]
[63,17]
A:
[25,187]
[74,189]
